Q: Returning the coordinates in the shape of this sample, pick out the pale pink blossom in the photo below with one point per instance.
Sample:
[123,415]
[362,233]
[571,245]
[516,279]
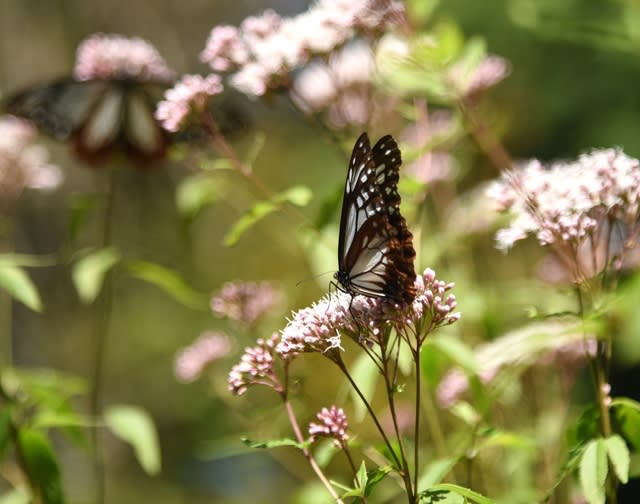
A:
[225,50]
[319,328]
[190,95]
[341,87]
[332,424]
[192,360]
[490,71]
[255,367]
[266,48]
[23,162]
[571,203]
[111,56]
[245,302]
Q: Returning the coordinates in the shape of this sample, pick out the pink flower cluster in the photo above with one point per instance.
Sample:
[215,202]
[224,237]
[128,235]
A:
[341,86]
[333,424]
[23,163]
[255,367]
[489,72]
[318,328]
[192,360]
[245,302]
[265,48]
[111,56]
[190,95]
[568,201]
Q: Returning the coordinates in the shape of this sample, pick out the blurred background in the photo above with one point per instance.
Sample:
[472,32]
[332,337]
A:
[573,86]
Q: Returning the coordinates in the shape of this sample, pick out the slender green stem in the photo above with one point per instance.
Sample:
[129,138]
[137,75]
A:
[101,330]
[400,466]
[485,138]
[599,371]
[416,433]
[389,385]
[307,453]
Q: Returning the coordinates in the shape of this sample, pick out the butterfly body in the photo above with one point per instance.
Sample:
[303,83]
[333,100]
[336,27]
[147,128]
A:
[98,116]
[375,249]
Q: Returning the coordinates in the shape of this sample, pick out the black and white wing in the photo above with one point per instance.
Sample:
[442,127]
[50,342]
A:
[97,116]
[375,248]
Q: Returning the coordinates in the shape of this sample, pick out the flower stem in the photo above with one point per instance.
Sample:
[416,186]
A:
[101,329]
[399,465]
[307,453]
[599,367]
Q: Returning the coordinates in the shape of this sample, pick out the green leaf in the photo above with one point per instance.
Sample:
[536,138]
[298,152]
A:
[366,376]
[256,213]
[324,451]
[456,350]
[255,148]
[272,443]
[436,471]
[134,426]
[619,457]
[468,494]
[376,476]
[362,476]
[195,192]
[297,195]
[41,465]
[88,272]
[15,281]
[27,260]
[627,413]
[465,412]
[169,281]
[81,207]
[5,429]
[216,164]
[593,471]
[17,495]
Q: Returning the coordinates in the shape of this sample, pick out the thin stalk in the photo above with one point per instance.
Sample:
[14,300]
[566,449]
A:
[599,366]
[405,476]
[416,432]
[392,407]
[101,330]
[307,453]
[485,138]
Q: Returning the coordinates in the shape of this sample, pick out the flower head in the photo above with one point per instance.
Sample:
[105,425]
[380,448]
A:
[255,367]
[333,424]
[565,203]
[110,56]
[245,302]
[23,163]
[489,72]
[189,95]
[341,87]
[192,360]
[365,319]
[266,48]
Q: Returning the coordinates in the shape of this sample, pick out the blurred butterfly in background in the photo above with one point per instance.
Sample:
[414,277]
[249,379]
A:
[97,116]
[375,247]
[102,116]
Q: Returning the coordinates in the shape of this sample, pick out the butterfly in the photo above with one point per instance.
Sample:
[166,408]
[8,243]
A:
[375,247]
[98,116]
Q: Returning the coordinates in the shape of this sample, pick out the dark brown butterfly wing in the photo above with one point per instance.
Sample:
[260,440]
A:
[375,249]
